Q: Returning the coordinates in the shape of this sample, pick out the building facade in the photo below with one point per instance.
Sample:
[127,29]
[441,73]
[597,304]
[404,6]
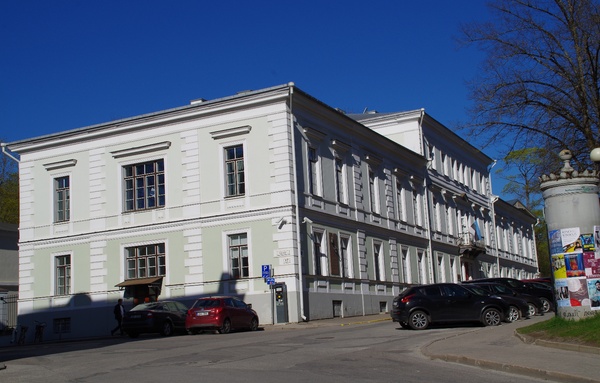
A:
[202,199]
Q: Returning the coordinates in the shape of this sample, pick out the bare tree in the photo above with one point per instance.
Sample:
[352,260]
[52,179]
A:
[9,190]
[540,83]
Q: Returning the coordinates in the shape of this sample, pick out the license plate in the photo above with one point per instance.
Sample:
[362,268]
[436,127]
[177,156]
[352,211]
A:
[138,316]
[201,313]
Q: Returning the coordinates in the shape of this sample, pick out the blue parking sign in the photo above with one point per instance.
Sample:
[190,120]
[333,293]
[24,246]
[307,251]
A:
[270,281]
[266,271]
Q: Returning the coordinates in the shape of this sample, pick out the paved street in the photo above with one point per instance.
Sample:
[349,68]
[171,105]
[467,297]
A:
[366,352]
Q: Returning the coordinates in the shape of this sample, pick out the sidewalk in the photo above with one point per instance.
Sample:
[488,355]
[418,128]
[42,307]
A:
[500,348]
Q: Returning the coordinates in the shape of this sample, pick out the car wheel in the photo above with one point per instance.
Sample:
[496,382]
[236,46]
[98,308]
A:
[546,305]
[418,320]
[226,327]
[532,309]
[254,324]
[491,317]
[167,329]
[513,314]
[133,334]
[404,325]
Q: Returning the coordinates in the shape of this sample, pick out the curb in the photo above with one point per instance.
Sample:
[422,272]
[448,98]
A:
[558,345]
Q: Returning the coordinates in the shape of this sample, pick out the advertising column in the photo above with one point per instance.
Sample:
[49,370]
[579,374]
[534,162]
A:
[572,212]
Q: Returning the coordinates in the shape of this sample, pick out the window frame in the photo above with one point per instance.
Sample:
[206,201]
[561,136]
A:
[240,185]
[243,253]
[145,261]
[155,192]
[314,171]
[62,194]
[62,280]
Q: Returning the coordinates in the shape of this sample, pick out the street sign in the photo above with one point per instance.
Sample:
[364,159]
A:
[266,271]
[270,281]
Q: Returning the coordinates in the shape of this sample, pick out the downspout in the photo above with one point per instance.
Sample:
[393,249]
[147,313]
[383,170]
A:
[493,200]
[5,151]
[427,203]
[297,199]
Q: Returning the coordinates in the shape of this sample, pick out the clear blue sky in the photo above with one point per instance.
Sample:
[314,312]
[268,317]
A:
[70,64]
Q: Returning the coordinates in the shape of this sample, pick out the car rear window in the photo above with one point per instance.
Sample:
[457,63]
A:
[207,303]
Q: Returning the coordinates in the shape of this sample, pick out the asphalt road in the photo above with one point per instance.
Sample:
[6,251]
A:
[370,352]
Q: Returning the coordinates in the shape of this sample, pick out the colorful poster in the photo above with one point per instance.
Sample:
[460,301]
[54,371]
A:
[556,242]
[597,240]
[570,239]
[561,292]
[578,292]
[574,265]
[593,286]
[591,264]
[588,242]
[558,266]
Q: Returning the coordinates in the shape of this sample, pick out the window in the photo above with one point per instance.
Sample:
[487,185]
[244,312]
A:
[238,255]
[400,201]
[416,208]
[334,255]
[340,181]
[234,165]
[63,275]
[313,172]
[346,257]
[144,185]
[62,199]
[318,253]
[437,224]
[373,192]
[378,261]
[405,266]
[146,261]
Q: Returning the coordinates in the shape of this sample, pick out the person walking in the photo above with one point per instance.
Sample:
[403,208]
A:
[119,312]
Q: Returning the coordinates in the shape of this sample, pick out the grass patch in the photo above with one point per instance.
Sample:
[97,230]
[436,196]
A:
[585,331]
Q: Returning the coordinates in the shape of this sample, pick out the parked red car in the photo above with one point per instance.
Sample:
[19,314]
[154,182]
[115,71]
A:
[222,314]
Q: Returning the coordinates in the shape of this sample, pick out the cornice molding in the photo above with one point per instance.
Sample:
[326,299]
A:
[141,149]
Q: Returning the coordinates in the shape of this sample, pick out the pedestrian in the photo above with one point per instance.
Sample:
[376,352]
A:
[119,312]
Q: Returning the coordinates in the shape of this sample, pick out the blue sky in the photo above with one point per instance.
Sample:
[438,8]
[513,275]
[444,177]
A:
[70,64]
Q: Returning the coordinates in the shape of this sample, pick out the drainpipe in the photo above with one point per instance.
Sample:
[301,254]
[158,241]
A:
[297,199]
[493,200]
[8,154]
[427,201]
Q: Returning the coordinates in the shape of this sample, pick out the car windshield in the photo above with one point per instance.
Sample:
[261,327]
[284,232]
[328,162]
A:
[207,303]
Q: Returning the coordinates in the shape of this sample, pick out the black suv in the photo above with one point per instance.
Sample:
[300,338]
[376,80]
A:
[419,306]
[546,295]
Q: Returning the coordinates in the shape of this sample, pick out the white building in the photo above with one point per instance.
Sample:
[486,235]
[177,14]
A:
[196,200]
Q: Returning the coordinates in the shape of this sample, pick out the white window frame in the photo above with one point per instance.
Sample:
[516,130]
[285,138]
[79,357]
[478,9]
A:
[225,235]
[346,256]
[54,268]
[378,261]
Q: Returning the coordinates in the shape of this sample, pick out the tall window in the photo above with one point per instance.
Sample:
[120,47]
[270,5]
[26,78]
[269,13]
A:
[400,201]
[313,172]
[318,253]
[234,165]
[416,208]
[334,255]
[340,181]
[63,275]
[238,254]
[378,261]
[62,199]
[405,266]
[144,185]
[346,257]
[373,192]
[146,261]
[437,224]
